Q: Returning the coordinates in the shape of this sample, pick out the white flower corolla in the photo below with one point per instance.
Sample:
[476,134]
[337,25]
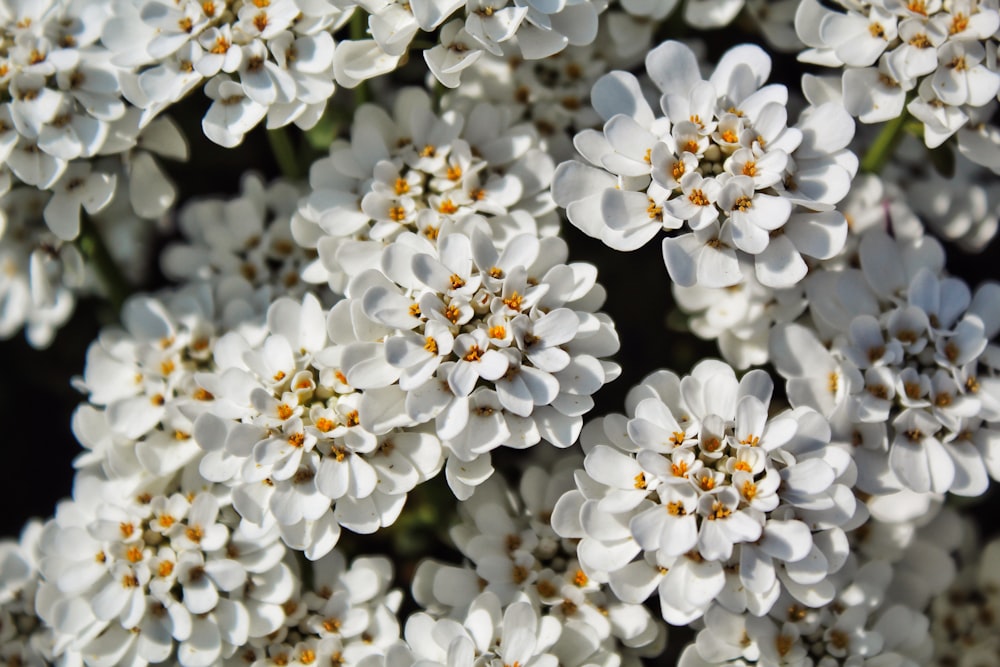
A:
[553,93]
[513,552]
[491,634]
[347,616]
[40,275]
[272,59]
[739,317]
[705,488]
[702,14]
[922,541]
[875,203]
[888,49]
[22,637]
[719,170]
[60,93]
[298,446]
[248,236]
[78,188]
[488,346]
[861,626]
[142,398]
[963,209]
[418,171]
[528,29]
[895,361]
[154,576]
[963,619]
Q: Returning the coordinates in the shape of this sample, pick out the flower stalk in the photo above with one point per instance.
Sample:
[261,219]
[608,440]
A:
[93,247]
[284,153]
[884,145]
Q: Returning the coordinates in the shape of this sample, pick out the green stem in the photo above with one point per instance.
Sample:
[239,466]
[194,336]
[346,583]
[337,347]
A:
[109,273]
[306,573]
[884,145]
[284,153]
[359,31]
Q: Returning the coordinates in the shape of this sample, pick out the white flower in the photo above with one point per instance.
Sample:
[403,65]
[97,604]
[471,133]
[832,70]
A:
[110,569]
[446,175]
[77,188]
[692,497]
[922,346]
[249,236]
[720,159]
[232,114]
[291,437]
[41,273]
[936,48]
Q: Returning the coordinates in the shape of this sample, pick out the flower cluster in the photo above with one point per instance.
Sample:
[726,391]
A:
[964,618]
[417,172]
[530,29]
[514,554]
[927,56]
[720,160]
[298,446]
[495,347]
[142,398]
[328,346]
[723,503]
[248,236]
[255,59]
[22,638]
[135,582]
[907,379]
[348,617]
[859,627]
[60,104]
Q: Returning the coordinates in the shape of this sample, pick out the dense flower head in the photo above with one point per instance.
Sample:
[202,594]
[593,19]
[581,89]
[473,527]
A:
[861,626]
[897,355]
[469,30]
[58,101]
[22,637]
[298,445]
[61,108]
[489,635]
[326,346]
[256,60]
[964,618]
[513,554]
[348,616]
[425,173]
[142,397]
[491,347]
[720,502]
[718,165]
[139,579]
[928,56]
[248,236]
